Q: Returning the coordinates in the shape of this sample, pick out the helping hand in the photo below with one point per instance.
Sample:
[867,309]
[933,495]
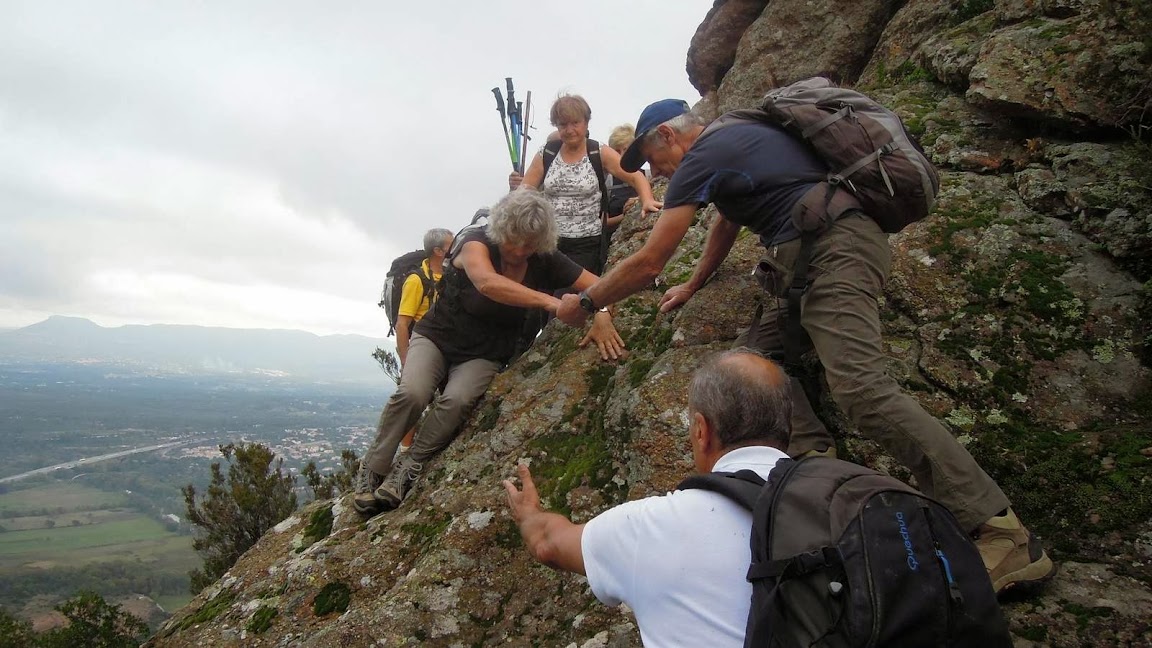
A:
[570,312]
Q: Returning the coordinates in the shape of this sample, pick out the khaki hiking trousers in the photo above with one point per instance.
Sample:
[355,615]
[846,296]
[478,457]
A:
[424,370]
[840,314]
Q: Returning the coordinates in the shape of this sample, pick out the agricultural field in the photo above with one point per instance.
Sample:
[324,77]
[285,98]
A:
[63,536]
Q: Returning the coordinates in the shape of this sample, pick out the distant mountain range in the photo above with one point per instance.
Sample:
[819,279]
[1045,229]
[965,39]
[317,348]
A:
[293,355]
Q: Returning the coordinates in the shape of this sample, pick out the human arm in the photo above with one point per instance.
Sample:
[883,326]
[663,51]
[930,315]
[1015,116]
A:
[404,325]
[531,178]
[475,261]
[550,538]
[637,180]
[721,237]
[637,271]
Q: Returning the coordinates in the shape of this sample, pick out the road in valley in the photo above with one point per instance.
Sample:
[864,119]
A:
[91,460]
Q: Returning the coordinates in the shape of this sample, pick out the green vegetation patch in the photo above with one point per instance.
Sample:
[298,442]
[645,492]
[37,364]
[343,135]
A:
[489,414]
[1059,487]
[209,610]
[333,597]
[319,526]
[58,498]
[638,369]
[424,532]
[70,538]
[262,619]
[968,9]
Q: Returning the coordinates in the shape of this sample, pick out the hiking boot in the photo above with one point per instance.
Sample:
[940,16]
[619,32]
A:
[1012,555]
[366,481]
[397,483]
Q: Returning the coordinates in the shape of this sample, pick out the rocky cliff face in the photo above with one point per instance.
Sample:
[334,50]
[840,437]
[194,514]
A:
[1018,313]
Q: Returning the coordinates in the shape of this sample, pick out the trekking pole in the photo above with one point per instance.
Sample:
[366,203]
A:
[503,116]
[519,132]
[524,130]
[511,99]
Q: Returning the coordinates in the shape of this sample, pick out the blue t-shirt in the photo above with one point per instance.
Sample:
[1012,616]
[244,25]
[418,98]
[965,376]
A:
[754,173]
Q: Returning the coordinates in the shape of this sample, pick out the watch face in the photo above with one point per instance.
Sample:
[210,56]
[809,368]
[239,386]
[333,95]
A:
[586,303]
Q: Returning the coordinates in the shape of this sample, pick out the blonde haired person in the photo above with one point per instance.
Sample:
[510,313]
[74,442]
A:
[571,184]
[621,196]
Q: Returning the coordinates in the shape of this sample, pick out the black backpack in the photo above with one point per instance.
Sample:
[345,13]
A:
[552,149]
[843,556]
[402,266]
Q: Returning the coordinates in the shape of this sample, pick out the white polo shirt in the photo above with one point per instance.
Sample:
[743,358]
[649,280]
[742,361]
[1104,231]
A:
[679,560]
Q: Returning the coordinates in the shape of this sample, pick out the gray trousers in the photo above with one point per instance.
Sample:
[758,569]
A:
[840,314]
[425,369]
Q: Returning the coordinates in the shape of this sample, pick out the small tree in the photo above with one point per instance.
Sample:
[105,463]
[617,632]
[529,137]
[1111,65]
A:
[14,632]
[328,486]
[94,622]
[389,363]
[237,510]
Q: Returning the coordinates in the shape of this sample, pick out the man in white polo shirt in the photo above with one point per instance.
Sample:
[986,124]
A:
[679,560]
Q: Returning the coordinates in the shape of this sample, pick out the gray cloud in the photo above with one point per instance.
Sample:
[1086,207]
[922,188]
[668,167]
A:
[287,147]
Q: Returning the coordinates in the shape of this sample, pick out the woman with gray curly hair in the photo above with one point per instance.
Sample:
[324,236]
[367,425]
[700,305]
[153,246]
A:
[496,273]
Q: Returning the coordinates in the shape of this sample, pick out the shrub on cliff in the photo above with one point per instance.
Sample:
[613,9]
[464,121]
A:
[237,509]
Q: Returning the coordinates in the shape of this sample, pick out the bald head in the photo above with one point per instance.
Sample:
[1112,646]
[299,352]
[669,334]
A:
[745,397]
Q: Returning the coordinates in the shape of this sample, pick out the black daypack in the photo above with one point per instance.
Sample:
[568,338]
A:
[843,556]
[403,266]
[552,149]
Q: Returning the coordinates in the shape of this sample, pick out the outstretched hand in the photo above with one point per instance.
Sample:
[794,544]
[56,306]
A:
[675,297]
[607,339]
[522,503]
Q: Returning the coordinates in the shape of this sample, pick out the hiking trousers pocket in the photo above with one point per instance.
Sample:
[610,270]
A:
[772,276]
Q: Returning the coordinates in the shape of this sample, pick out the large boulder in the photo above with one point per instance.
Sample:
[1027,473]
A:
[796,39]
[713,47]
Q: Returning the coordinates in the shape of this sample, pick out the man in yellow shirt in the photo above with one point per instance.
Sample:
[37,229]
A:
[415,300]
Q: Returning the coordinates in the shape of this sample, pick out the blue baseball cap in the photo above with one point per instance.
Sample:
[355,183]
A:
[655,114]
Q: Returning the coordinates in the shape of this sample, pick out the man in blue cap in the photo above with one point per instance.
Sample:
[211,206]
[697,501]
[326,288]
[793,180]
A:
[755,174]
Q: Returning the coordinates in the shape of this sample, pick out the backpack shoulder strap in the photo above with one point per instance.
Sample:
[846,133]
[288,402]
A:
[742,487]
[598,167]
[426,282]
[551,150]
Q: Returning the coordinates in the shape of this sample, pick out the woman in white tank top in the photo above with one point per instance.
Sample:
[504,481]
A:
[571,184]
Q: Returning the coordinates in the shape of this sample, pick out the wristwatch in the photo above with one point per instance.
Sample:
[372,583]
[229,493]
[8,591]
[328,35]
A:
[586,303]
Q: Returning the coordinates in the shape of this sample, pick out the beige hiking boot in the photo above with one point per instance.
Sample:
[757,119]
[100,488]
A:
[1013,557]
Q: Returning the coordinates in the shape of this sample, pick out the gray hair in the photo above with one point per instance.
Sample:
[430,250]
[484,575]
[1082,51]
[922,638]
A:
[680,123]
[742,407]
[524,217]
[435,238]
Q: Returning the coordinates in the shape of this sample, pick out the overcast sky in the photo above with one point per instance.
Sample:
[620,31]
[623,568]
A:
[259,165]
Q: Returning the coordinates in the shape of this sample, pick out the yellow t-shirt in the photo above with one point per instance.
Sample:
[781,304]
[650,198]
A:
[412,300]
